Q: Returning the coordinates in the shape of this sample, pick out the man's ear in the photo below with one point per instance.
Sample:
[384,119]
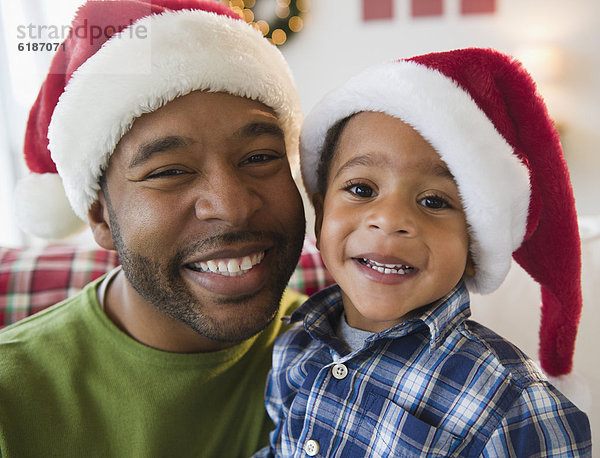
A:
[99,220]
[317,200]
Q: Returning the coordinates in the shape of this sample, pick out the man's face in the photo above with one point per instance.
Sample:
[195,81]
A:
[204,214]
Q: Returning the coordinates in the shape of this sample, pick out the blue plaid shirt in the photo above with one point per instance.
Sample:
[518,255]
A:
[434,385]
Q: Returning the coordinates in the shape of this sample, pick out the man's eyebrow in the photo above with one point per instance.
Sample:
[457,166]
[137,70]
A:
[256,129]
[149,149]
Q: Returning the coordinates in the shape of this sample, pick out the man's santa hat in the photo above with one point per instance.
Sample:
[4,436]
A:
[123,59]
[480,110]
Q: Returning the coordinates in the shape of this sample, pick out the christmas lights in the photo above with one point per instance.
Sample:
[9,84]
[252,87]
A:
[277,21]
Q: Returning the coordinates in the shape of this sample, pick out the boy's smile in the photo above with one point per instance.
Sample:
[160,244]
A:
[388,270]
[391,227]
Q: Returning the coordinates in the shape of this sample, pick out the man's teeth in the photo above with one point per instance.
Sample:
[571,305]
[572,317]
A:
[398,269]
[231,267]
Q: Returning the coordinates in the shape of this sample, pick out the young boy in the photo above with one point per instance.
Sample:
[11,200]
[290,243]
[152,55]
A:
[426,175]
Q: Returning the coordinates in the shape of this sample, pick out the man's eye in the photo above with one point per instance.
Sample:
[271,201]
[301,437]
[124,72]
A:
[434,202]
[166,173]
[361,190]
[260,157]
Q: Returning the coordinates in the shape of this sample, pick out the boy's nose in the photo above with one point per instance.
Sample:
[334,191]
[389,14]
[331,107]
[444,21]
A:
[391,216]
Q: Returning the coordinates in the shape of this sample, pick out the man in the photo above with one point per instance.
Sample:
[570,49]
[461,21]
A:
[172,139]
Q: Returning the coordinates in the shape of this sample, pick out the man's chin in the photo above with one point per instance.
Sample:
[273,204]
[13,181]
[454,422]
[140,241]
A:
[235,319]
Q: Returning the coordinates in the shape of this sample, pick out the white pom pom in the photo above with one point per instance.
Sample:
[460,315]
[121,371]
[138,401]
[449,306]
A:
[42,208]
[575,387]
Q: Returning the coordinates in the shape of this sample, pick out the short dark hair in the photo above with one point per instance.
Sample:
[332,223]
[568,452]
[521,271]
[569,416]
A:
[102,183]
[328,151]
[104,186]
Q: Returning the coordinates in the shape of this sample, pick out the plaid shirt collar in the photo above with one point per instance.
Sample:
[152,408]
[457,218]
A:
[321,313]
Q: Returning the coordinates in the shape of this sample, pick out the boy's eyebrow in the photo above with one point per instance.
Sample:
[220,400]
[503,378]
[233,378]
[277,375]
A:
[374,160]
[442,170]
[365,160]
[159,145]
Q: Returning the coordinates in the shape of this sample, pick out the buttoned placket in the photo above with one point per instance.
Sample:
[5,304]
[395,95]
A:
[335,372]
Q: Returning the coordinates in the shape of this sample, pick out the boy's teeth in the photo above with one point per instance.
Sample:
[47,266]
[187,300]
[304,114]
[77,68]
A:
[387,268]
[230,267]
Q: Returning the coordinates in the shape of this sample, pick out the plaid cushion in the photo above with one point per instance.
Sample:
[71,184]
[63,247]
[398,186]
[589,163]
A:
[35,278]
[310,275]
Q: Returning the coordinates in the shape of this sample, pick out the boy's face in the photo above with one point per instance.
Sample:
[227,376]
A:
[391,228]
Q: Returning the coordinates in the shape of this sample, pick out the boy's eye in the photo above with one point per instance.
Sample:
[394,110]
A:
[434,202]
[361,190]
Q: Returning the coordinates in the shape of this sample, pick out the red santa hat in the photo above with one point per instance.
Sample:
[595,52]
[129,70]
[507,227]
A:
[480,110]
[120,60]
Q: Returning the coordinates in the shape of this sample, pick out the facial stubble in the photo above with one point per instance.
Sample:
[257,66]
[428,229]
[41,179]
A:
[162,285]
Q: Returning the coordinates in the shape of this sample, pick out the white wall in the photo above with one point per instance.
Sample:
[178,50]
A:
[337,43]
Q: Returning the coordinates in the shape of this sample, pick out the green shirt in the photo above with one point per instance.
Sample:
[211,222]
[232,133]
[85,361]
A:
[73,384]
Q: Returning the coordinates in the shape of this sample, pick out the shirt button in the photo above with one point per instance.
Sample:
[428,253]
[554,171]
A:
[311,447]
[339,371]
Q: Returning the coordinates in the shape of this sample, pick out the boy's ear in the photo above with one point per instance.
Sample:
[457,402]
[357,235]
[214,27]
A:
[100,222]
[317,200]
[470,267]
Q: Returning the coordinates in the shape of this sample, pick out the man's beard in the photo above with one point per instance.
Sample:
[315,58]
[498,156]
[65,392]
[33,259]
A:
[162,284]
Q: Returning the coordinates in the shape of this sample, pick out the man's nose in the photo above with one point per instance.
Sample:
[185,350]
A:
[228,198]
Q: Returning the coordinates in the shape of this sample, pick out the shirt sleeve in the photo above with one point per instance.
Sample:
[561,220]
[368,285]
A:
[542,422]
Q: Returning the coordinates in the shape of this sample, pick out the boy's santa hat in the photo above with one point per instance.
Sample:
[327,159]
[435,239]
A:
[120,60]
[480,110]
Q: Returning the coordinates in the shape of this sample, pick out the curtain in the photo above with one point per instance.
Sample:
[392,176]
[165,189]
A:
[23,23]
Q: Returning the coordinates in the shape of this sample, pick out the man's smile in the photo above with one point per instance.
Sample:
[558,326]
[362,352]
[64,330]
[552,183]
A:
[232,272]
[229,267]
